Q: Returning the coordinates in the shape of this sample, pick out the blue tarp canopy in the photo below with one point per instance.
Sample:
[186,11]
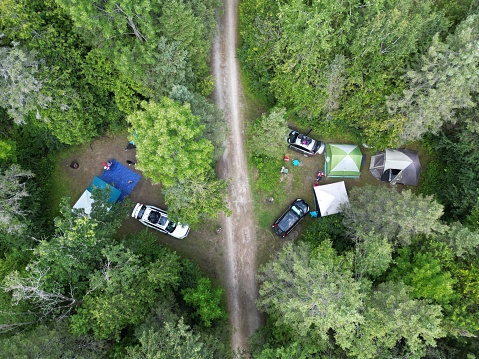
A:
[121,177]
[99,183]
[85,201]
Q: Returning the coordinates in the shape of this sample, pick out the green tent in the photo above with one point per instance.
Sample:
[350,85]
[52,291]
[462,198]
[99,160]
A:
[342,161]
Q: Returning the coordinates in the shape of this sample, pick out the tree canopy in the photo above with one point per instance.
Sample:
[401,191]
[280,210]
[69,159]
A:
[312,293]
[396,215]
[172,150]
[337,60]
[12,191]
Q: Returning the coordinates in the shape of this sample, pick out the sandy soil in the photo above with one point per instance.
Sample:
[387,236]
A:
[240,247]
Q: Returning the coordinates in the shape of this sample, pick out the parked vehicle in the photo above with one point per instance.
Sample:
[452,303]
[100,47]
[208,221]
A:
[290,218]
[304,144]
[157,218]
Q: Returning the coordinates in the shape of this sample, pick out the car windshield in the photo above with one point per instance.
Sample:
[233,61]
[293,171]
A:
[171,227]
[297,210]
[293,136]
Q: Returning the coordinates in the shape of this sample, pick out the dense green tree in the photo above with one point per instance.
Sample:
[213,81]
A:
[207,300]
[463,241]
[45,299]
[292,351]
[472,220]
[17,22]
[146,40]
[80,110]
[259,33]
[463,315]
[398,216]
[337,78]
[76,248]
[210,116]
[392,319]
[452,176]
[362,321]
[7,150]
[423,273]
[456,11]
[461,318]
[121,292]
[196,199]
[110,19]
[169,142]
[313,293]
[173,341]
[52,341]
[267,134]
[442,84]
[12,191]
[310,37]
[330,227]
[57,276]
[169,67]
[20,86]
[387,36]
[373,254]
[338,59]
[72,108]
[171,149]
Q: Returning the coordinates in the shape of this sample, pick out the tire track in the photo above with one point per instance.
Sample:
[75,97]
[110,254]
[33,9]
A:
[239,229]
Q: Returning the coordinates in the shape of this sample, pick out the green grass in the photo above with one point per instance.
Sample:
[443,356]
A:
[60,185]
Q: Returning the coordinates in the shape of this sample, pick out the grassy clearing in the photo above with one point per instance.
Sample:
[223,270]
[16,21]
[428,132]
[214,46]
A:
[202,246]
[60,184]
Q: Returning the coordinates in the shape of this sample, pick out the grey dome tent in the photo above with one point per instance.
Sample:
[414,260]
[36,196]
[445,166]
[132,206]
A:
[396,166]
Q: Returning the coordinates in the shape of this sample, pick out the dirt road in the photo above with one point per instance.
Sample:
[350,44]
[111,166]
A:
[239,229]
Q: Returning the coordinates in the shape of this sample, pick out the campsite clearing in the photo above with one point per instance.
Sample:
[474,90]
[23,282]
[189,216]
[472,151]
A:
[202,246]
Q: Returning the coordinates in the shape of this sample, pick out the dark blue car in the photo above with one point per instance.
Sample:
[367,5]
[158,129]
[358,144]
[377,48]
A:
[290,218]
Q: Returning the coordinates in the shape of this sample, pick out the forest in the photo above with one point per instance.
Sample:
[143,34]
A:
[394,276]
[72,285]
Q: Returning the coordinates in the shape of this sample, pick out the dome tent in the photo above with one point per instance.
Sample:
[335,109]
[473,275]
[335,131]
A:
[342,161]
[396,166]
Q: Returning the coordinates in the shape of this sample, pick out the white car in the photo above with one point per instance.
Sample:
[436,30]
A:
[304,144]
[157,218]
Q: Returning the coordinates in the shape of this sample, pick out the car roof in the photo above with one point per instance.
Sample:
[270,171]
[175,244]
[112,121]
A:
[309,147]
[288,221]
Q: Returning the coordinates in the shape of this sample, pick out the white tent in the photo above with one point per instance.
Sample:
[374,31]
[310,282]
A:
[85,202]
[330,197]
